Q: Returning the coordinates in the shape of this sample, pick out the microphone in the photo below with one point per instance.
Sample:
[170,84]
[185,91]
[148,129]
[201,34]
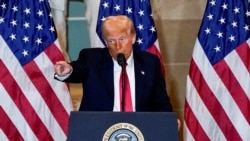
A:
[122,62]
[121,59]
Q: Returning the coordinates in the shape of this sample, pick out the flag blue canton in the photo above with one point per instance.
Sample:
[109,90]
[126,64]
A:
[224,27]
[139,11]
[25,35]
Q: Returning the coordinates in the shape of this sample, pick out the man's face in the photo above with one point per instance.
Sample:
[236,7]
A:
[119,41]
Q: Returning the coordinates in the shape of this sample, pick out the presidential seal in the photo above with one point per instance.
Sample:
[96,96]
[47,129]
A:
[123,132]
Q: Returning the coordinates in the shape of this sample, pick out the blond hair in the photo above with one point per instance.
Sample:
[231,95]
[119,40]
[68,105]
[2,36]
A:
[122,21]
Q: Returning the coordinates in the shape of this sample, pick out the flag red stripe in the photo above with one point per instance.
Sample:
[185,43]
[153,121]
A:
[51,100]
[193,124]
[212,103]
[20,100]
[234,88]
[54,53]
[244,52]
[7,125]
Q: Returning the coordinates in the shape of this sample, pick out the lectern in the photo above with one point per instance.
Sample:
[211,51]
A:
[122,126]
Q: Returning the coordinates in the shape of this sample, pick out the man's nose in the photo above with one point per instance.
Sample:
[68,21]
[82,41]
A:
[117,44]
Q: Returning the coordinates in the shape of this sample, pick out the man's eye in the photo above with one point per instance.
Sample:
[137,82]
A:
[122,39]
[111,41]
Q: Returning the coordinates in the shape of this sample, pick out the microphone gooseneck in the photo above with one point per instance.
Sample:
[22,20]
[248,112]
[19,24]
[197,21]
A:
[122,62]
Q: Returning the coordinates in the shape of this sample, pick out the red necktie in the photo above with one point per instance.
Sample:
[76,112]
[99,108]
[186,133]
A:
[127,93]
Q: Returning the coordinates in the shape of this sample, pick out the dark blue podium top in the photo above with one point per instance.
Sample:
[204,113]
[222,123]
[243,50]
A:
[121,126]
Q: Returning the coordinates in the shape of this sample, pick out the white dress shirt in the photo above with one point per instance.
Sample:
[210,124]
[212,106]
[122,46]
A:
[131,77]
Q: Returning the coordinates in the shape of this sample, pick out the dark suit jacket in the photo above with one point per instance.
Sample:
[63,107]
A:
[94,69]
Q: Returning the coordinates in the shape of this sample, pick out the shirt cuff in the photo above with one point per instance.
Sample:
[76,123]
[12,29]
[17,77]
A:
[63,77]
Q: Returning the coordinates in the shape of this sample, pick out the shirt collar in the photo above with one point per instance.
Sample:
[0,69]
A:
[129,61]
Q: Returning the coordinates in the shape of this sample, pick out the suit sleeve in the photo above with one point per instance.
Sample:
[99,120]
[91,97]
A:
[80,68]
[162,98]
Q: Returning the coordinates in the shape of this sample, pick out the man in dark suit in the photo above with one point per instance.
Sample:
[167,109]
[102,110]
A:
[98,71]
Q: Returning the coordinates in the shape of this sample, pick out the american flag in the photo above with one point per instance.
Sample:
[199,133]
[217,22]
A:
[139,11]
[33,106]
[217,104]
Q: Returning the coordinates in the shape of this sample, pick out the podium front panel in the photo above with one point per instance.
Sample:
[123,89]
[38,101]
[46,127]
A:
[112,126]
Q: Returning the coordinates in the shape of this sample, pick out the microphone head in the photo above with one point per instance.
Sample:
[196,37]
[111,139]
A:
[121,59]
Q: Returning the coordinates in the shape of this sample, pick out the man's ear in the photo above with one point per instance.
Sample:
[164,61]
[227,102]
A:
[133,38]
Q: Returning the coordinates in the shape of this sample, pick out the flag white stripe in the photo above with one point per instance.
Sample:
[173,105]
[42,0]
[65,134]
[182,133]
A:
[218,88]
[32,95]
[3,137]
[202,114]
[248,42]
[187,136]
[57,44]
[16,116]
[156,43]
[56,85]
[234,62]
[239,70]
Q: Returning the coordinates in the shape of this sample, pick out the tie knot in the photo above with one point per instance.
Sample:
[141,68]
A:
[124,66]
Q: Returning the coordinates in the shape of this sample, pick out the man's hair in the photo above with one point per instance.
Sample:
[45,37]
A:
[123,21]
